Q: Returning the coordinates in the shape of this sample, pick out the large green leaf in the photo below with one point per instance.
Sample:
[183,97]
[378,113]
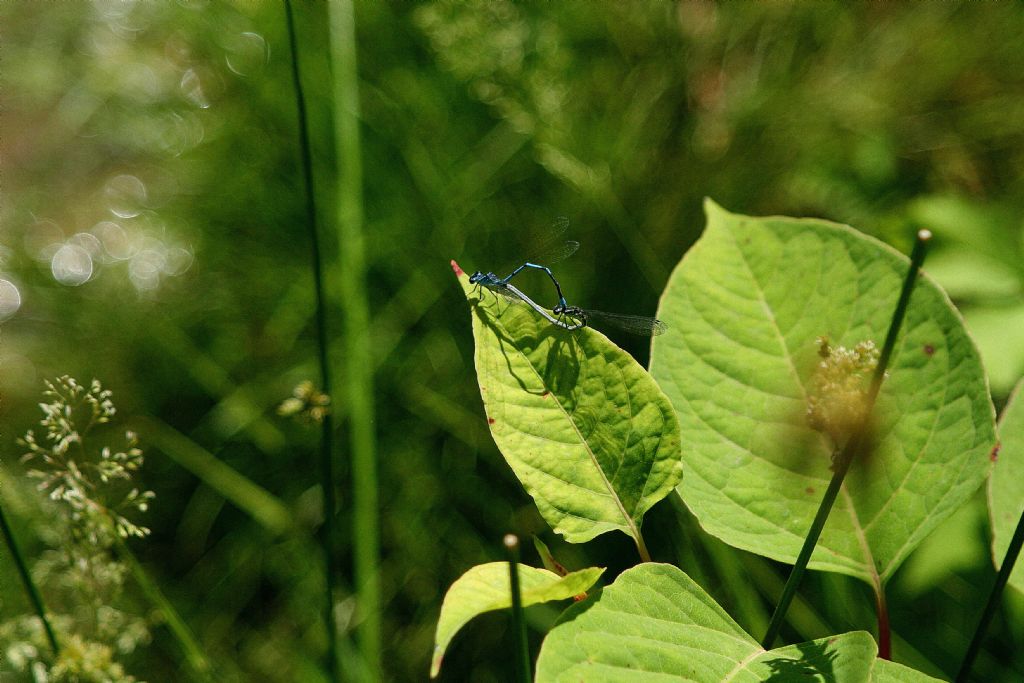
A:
[656,624]
[1006,485]
[485,588]
[746,307]
[584,427]
[885,671]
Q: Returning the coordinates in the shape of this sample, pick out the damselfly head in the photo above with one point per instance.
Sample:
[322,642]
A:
[476,277]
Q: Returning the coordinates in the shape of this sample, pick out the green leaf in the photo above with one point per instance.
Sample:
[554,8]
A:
[656,624]
[547,559]
[746,307]
[584,427]
[958,545]
[999,332]
[1006,485]
[971,228]
[485,588]
[891,672]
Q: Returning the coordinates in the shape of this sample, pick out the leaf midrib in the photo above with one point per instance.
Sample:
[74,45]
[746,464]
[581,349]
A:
[629,523]
[867,561]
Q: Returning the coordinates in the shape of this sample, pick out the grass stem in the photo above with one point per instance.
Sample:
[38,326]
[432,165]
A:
[327,536]
[1009,560]
[268,510]
[853,447]
[26,578]
[193,651]
[359,363]
[511,543]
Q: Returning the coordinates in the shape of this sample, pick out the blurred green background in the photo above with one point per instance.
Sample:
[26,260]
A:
[152,235]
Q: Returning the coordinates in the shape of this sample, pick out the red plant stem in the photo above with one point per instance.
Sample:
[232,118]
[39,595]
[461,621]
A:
[884,633]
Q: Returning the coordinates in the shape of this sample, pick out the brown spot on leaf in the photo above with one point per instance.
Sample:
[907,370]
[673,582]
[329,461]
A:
[809,490]
[994,455]
[490,420]
[929,349]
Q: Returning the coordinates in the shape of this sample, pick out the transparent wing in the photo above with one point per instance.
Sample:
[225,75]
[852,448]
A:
[636,324]
[503,292]
[551,248]
[556,254]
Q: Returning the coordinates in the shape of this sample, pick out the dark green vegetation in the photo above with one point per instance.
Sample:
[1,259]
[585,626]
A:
[480,124]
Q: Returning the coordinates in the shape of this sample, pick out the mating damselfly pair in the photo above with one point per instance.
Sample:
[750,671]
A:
[562,315]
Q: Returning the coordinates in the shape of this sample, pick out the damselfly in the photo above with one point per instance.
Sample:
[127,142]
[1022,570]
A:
[552,251]
[636,324]
[512,293]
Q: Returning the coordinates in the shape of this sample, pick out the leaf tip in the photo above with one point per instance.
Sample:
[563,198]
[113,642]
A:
[711,206]
[458,271]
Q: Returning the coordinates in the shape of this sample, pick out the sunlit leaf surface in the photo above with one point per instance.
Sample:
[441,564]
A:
[746,309]
[585,428]
[655,624]
[485,588]
[885,671]
[1006,485]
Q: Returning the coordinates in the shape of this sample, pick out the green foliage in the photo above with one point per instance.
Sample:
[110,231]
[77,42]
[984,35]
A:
[766,400]
[478,120]
[584,427]
[485,588]
[747,307]
[655,624]
[1006,484]
[885,671]
[982,267]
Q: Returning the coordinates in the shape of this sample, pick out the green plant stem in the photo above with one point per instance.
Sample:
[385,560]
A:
[1009,560]
[194,654]
[358,358]
[641,547]
[327,536]
[853,448]
[511,543]
[26,578]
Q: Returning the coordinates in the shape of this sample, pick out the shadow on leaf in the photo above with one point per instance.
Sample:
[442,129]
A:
[560,368]
[815,665]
